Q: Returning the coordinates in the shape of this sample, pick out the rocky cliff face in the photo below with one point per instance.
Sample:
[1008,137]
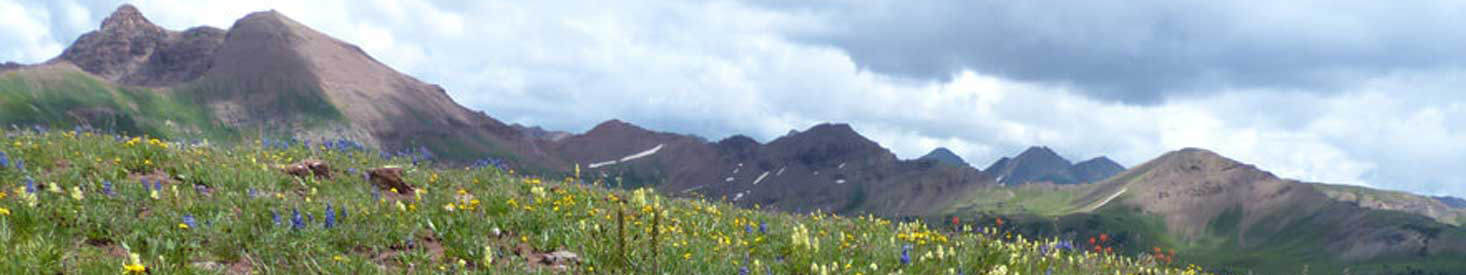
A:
[131,50]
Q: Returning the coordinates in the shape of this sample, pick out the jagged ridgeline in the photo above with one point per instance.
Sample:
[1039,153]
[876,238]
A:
[266,75]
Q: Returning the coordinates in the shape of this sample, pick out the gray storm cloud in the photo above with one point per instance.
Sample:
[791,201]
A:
[1142,52]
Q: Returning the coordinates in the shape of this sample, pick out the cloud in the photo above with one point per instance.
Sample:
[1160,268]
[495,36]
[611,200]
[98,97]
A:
[1142,52]
[1257,83]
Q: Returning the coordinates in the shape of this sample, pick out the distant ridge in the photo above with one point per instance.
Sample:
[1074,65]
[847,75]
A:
[1041,164]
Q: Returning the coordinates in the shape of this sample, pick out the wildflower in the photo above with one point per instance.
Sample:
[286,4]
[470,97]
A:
[488,255]
[743,270]
[338,258]
[188,222]
[330,216]
[4,211]
[906,254]
[296,221]
[4,160]
[763,228]
[107,188]
[253,193]
[19,164]
[134,265]
[76,193]
[30,185]
[275,215]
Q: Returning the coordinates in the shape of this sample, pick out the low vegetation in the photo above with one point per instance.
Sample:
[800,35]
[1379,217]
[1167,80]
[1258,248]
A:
[84,202]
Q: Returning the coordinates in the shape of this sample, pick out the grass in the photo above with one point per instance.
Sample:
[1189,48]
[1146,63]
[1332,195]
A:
[466,220]
[64,99]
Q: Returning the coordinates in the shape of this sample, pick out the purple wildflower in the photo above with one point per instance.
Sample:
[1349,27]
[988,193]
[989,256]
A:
[763,228]
[748,229]
[905,254]
[743,270]
[296,221]
[4,160]
[275,215]
[30,185]
[188,219]
[107,187]
[330,216]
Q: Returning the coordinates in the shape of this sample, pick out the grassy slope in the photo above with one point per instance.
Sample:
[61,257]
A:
[52,96]
[1049,211]
[89,233]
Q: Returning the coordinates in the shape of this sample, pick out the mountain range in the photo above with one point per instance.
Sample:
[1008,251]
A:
[268,76]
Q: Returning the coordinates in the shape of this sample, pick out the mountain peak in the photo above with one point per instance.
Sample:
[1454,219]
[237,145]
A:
[1041,153]
[126,17]
[943,155]
[1097,169]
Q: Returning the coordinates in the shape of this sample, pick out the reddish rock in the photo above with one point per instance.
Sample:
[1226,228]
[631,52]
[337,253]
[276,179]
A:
[388,178]
[307,168]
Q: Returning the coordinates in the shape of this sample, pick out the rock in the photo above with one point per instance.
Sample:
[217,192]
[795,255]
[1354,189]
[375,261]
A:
[306,168]
[389,178]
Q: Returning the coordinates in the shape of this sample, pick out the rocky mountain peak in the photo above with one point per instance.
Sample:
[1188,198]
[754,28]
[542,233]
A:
[128,18]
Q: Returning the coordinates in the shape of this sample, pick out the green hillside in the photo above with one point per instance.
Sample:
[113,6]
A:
[63,97]
[75,203]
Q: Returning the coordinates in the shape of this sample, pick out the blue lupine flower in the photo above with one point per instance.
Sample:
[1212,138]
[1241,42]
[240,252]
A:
[20,164]
[107,187]
[906,254]
[748,229]
[30,185]
[1049,271]
[145,184]
[296,221]
[158,185]
[763,228]
[330,216]
[253,193]
[4,161]
[275,215]
[743,270]
[188,219]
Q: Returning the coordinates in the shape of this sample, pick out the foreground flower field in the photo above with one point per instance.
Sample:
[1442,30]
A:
[82,202]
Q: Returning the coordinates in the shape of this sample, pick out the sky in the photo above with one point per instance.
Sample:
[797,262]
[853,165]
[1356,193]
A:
[1339,91]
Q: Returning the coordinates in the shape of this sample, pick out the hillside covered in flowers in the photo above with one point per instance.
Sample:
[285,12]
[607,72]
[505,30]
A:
[85,202]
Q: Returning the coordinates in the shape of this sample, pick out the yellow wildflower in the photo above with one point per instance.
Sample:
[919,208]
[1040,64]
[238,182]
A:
[182,226]
[134,265]
[488,256]
[76,193]
[4,211]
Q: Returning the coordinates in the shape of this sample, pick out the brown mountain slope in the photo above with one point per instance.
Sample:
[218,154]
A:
[828,167]
[1202,196]
[270,75]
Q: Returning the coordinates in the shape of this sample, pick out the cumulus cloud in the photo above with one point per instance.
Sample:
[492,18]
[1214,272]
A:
[1342,98]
